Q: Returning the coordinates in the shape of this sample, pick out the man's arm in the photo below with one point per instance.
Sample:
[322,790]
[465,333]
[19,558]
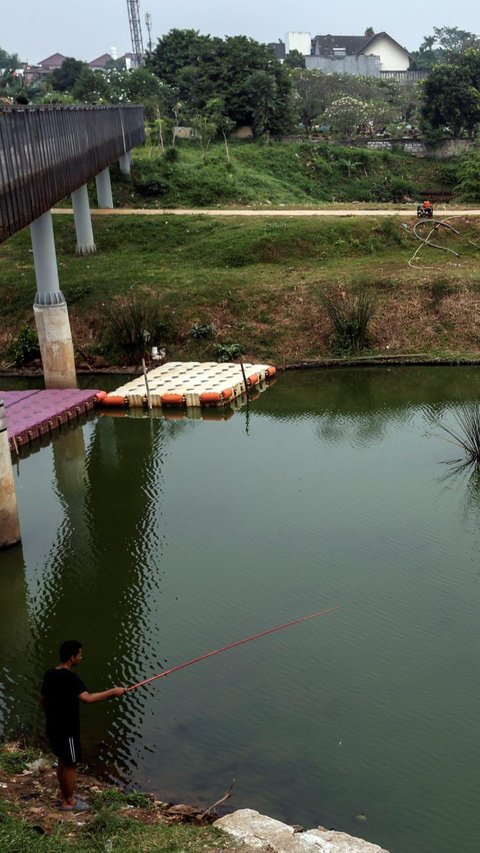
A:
[99,697]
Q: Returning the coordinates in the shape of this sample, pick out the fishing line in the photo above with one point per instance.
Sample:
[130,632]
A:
[231,646]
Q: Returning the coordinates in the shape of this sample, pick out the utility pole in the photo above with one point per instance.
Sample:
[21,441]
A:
[148,24]
[135,31]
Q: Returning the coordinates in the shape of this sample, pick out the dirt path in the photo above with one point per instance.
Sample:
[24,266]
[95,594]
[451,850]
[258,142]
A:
[442,213]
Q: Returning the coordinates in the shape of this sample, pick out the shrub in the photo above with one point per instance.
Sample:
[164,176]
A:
[350,316]
[150,177]
[200,331]
[227,352]
[134,324]
[25,347]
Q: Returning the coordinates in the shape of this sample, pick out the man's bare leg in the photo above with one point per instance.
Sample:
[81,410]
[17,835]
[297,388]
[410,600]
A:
[66,780]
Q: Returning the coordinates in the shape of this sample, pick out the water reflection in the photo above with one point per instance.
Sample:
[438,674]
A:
[153,541]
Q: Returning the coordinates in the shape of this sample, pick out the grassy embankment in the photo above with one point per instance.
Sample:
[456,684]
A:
[294,174]
[130,823]
[258,281]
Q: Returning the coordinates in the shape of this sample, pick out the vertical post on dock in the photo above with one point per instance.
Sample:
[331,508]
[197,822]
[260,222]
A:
[104,189]
[9,522]
[50,309]
[83,221]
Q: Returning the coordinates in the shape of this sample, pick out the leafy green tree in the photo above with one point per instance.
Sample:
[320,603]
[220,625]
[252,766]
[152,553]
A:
[63,79]
[443,46]
[8,61]
[451,95]
[294,59]
[91,87]
[202,68]
[347,116]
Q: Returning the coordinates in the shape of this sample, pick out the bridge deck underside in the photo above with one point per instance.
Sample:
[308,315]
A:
[48,152]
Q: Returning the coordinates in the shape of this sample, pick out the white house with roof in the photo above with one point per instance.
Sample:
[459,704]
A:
[375,55]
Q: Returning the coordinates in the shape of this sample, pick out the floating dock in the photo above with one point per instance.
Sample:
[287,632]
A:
[192,384]
[33,414]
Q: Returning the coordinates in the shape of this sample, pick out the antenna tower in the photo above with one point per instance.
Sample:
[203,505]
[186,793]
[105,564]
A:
[148,24]
[135,31]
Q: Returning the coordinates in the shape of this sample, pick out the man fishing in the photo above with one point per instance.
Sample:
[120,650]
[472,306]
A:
[62,690]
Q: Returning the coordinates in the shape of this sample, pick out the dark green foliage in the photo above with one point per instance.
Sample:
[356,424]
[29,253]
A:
[298,173]
[151,177]
[244,75]
[227,352]
[350,316]
[451,95]
[171,154]
[468,176]
[25,347]
[133,325]
[64,78]
[200,331]
[443,46]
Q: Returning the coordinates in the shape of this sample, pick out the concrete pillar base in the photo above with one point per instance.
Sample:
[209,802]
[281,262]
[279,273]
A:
[56,345]
[9,523]
[85,250]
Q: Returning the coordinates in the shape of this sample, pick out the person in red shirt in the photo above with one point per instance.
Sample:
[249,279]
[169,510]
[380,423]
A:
[62,691]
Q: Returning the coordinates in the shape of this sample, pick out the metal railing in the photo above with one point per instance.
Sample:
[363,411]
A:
[48,152]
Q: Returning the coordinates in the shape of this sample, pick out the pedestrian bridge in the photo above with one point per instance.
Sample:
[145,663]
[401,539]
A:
[48,152]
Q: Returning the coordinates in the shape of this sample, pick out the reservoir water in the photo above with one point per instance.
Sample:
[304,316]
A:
[154,541]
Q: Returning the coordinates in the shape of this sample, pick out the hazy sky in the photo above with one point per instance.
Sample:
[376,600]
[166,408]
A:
[37,28]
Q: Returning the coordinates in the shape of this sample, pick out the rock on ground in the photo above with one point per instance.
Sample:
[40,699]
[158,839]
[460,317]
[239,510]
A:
[259,831]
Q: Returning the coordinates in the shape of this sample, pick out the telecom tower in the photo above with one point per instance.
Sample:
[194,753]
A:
[135,31]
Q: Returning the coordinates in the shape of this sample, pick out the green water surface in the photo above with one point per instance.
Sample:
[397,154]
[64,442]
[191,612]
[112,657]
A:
[154,541]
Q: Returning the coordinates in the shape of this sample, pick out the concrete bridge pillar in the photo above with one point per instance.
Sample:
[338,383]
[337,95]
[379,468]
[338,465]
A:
[9,523]
[83,222]
[125,163]
[104,189]
[50,309]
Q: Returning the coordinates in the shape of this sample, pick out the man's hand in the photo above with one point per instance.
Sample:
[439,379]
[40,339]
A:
[118,691]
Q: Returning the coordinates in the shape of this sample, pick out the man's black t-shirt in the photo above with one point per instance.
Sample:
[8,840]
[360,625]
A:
[61,688]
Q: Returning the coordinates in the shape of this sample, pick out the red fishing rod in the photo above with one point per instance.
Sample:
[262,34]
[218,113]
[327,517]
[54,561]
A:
[231,646]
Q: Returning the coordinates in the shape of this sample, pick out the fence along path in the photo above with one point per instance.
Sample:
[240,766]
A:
[48,152]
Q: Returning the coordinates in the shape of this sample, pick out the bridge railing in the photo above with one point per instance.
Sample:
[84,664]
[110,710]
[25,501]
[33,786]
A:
[47,152]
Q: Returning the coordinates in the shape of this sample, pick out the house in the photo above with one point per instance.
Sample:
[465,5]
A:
[377,55]
[100,62]
[52,62]
[391,55]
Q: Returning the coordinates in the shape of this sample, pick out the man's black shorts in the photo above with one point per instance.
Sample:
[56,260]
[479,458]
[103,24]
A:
[67,748]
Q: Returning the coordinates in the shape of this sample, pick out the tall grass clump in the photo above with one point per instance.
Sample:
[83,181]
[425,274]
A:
[467,433]
[133,325]
[350,315]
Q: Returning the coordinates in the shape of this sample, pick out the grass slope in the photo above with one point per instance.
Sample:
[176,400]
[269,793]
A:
[300,173]
[258,281]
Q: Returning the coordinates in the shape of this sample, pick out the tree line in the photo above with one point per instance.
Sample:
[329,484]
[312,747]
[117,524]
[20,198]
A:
[216,85]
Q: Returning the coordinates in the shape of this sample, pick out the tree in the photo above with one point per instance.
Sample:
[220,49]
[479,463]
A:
[91,87]
[347,116]
[294,59]
[202,68]
[8,61]
[451,95]
[63,79]
[443,46]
